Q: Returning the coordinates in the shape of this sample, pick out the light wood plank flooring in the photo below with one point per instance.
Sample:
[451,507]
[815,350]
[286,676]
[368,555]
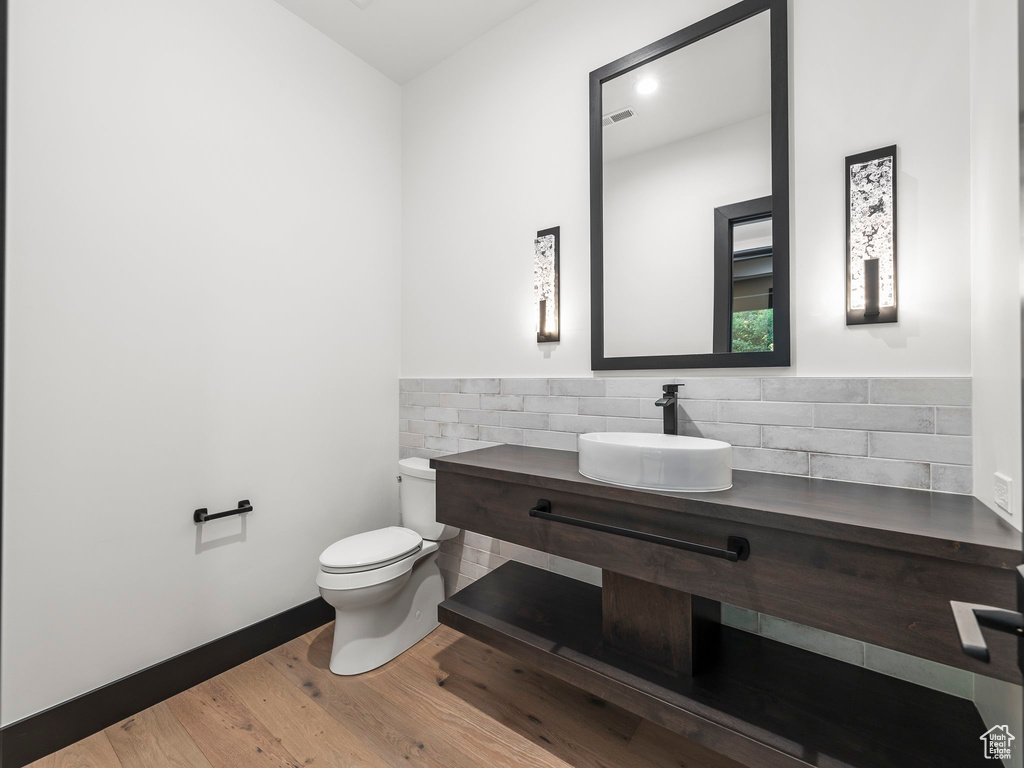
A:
[449,702]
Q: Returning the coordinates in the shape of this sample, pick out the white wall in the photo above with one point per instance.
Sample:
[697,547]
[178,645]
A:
[659,234]
[995,246]
[496,147]
[203,262]
[995,311]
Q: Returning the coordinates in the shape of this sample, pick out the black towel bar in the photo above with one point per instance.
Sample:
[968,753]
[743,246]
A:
[202,515]
[738,547]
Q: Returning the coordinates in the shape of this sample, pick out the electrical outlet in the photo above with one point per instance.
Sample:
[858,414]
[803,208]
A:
[1001,491]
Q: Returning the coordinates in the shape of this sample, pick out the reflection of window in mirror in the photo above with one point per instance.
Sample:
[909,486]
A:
[752,287]
[744,277]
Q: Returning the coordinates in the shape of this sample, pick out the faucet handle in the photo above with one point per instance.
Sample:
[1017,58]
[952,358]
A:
[671,389]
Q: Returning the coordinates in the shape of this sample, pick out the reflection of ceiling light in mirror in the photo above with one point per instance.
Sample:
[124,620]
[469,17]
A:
[646,85]
[361,4]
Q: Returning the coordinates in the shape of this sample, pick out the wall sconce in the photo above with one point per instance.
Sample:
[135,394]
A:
[871,237]
[545,284]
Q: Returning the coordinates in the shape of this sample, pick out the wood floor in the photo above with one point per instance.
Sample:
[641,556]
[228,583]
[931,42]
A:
[448,702]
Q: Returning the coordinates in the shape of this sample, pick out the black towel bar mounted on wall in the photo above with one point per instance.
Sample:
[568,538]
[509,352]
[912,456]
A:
[202,515]
[738,547]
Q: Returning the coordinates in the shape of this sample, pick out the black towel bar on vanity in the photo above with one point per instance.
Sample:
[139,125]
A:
[202,515]
[737,549]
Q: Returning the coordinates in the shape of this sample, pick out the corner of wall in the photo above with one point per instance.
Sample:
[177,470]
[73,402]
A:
[995,251]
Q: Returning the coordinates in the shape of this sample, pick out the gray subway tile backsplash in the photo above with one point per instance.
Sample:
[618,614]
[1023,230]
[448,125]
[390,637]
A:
[562,441]
[419,398]
[411,412]
[740,618]
[905,432]
[763,460]
[647,387]
[808,390]
[689,410]
[480,386]
[933,391]
[490,418]
[648,426]
[811,639]
[506,435]
[746,435]
[454,400]
[610,406]
[720,388]
[943,449]
[858,469]
[446,444]
[524,420]
[885,418]
[440,414]
[578,387]
[848,442]
[792,414]
[524,386]
[560,422]
[953,421]
[950,478]
[501,402]
[558,404]
[440,385]
[464,431]
[422,427]
[930,674]
[410,440]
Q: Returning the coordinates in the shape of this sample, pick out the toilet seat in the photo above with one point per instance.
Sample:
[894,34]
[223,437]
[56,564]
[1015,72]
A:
[370,577]
[370,550]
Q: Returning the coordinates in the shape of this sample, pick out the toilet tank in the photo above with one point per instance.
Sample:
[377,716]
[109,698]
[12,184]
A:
[416,492]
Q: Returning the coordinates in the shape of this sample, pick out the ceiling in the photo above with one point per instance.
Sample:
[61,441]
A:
[404,38]
[717,81]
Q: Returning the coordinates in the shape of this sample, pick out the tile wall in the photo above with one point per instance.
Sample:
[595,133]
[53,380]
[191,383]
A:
[913,433]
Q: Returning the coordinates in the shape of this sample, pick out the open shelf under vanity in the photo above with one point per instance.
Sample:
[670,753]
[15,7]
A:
[876,564]
[762,703]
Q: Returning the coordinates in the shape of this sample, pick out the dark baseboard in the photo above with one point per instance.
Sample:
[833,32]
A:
[55,728]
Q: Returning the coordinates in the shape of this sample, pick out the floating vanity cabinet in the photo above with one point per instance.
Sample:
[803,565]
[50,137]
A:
[876,564]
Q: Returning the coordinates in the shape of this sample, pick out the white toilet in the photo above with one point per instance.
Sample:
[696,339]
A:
[385,584]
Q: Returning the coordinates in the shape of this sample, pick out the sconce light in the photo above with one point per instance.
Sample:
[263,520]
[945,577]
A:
[545,284]
[871,237]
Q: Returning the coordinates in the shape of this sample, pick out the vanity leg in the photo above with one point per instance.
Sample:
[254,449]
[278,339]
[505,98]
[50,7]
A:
[674,631]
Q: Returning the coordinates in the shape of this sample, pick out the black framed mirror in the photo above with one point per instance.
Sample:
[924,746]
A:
[689,184]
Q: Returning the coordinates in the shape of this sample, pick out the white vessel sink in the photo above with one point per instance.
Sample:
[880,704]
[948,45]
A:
[656,462]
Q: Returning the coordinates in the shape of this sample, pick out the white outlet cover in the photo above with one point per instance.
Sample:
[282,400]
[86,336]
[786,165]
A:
[1002,492]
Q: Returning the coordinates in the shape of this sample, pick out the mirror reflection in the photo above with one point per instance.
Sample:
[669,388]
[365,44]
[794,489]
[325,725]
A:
[744,277]
[684,138]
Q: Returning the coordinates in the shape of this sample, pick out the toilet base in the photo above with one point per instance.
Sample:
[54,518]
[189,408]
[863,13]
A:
[368,636]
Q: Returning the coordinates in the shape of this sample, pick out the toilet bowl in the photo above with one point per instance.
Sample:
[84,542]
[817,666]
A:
[385,585]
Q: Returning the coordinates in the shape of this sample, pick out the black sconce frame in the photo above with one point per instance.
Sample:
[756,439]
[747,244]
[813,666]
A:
[543,334]
[872,313]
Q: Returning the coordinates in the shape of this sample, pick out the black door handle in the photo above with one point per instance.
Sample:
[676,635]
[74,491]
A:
[737,549]
[971,617]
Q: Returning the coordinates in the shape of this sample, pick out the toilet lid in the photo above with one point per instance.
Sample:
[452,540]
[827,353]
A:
[373,549]
[416,466]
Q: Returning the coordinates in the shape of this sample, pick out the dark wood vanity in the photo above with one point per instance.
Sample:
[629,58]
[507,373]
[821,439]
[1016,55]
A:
[876,564]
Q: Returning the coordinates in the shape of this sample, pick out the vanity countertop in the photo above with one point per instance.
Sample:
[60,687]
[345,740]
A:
[930,523]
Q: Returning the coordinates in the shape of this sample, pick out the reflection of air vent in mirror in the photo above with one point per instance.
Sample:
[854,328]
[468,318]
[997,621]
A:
[618,116]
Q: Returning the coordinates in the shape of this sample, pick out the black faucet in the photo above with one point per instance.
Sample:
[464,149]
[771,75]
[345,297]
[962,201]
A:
[670,402]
